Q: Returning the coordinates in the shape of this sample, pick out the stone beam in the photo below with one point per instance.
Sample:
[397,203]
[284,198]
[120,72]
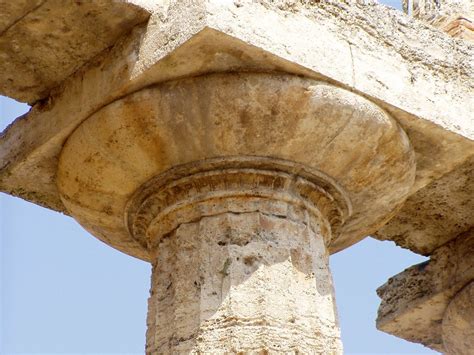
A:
[422,304]
[436,214]
[42,42]
[421,77]
[414,302]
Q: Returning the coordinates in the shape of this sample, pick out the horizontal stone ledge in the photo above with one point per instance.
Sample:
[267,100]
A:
[414,301]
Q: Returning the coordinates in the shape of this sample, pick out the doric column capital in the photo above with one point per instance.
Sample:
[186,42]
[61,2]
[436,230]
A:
[243,184]
[137,160]
[237,187]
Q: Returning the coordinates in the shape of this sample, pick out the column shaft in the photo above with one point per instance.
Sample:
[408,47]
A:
[243,282]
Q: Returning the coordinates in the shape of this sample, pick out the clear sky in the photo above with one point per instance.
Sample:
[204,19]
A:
[63,291]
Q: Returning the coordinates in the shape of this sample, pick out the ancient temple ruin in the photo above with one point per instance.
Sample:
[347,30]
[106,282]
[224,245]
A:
[235,145]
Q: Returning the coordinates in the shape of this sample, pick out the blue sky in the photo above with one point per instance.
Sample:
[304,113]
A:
[63,291]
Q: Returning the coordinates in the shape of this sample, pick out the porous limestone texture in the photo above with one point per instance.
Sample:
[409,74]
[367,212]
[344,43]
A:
[43,42]
[414,302]
[240,259]
[458,323]
[455,17]
[443,209]
[159,136]
[438,213]
[13,11]
[243,283]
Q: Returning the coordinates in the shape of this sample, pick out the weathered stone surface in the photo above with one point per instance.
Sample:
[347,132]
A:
[433,11]
[445,208]
[243,283]
[239,252]
[147,145]
[458,323]
[13,11]
[43,42]
[432,217]
[189,192]
[323,129]
[436,214]
[455,17]
[418,75]
[414,302]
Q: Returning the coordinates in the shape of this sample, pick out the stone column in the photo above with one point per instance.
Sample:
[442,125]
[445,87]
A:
[237,187]
[458,323]
[242,282]
[240,264]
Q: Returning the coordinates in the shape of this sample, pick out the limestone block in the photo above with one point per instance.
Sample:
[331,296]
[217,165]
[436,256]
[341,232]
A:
[436,214]
[13,11]
[43,42]
[458,323]
[414,302]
